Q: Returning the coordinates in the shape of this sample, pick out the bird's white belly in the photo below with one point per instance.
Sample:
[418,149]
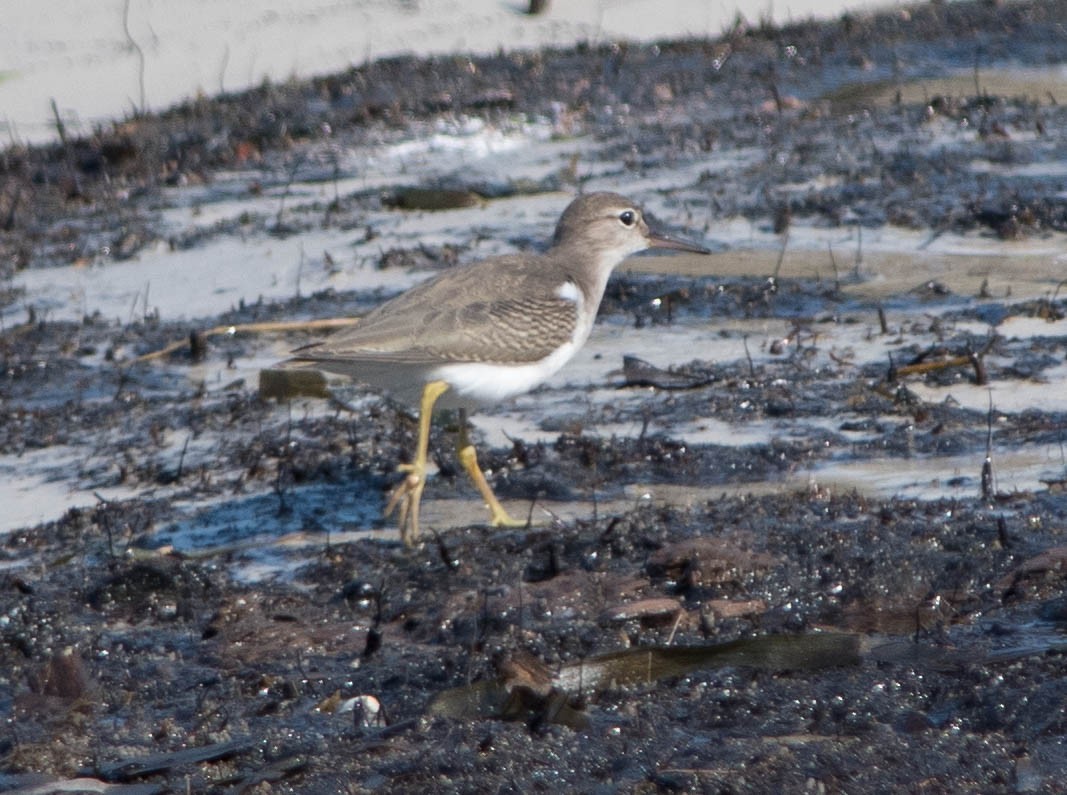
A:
[479,382]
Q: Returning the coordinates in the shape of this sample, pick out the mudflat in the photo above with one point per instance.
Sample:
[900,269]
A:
[798,512]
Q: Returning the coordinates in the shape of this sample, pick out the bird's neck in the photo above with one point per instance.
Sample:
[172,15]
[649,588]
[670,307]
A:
[590,273]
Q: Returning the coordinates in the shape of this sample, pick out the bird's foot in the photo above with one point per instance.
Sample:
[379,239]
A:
[498,517]
[501,518]
[408,493]
[405,499]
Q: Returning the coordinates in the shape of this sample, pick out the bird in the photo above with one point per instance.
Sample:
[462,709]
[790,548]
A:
[483,332]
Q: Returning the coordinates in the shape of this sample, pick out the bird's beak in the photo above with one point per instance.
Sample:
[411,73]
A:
[656,240]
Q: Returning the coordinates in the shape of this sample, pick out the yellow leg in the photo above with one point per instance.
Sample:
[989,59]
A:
[408,493]
[468,458]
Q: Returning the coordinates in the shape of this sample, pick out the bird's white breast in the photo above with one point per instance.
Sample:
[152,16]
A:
[480,382]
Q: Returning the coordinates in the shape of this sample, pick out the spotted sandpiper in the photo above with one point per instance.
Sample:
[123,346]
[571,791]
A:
[487,331]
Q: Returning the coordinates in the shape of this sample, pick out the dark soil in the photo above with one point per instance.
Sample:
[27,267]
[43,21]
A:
[129,663]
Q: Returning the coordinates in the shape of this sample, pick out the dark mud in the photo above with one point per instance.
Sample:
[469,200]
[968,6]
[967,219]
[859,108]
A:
[124,660]
[116,659]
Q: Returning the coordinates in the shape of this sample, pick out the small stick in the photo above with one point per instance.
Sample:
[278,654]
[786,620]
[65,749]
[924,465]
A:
[252,328]
[980,377]
[61,128]
[781,255]
[932,367]
[989,486]
[833,264]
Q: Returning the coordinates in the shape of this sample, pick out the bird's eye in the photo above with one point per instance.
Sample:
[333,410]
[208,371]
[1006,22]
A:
[628,217]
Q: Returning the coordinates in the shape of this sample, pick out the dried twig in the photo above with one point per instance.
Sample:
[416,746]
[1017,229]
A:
[252,328]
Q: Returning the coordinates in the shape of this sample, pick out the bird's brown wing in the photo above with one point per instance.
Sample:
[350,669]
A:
[495,310]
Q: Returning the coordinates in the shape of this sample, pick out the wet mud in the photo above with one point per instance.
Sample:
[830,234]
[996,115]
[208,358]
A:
[234,613]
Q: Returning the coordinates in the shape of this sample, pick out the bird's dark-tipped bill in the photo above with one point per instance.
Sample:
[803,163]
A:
[656,240]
